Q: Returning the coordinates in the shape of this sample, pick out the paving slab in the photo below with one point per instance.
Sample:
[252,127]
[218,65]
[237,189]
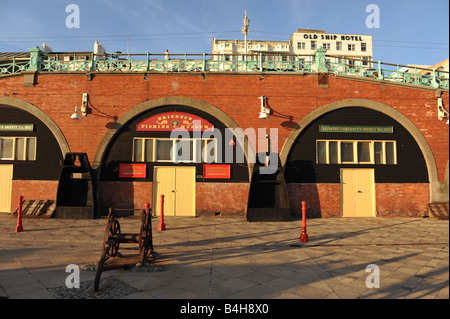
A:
[229,258]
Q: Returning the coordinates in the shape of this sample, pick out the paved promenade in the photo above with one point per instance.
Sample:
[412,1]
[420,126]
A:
[223,258]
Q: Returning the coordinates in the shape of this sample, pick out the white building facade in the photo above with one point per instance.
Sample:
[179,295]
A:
[353,49]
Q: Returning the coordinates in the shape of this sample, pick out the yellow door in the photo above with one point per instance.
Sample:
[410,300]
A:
[358,192]
[177,184]
[185,191]
[164,184]
[5,188]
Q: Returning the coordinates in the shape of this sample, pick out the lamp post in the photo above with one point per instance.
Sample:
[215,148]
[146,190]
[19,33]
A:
[245,31]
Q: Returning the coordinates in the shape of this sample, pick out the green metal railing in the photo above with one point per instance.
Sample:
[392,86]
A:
[318,62]
[15,66]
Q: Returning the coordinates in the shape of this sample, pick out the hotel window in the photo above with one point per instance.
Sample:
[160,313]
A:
[172,150]
[351,47]
[301,45]
[313,45]
[338,45]
[356,152]
[365,61]
[363,47]
[327,46]
[18,148]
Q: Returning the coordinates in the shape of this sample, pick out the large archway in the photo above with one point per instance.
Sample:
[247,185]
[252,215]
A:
[52,126]
[117,149]
[189,102]
[435,187]
[32,149]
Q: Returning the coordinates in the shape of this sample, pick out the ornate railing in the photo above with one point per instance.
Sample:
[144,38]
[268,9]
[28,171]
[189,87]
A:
[14,66]
[320,62]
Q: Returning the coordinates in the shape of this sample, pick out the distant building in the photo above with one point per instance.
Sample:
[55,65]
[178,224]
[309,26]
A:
[348,48]
[98,53]
[428,69]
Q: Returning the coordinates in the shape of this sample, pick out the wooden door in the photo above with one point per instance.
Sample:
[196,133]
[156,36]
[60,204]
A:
[358,192]
[177,184]
[5,188]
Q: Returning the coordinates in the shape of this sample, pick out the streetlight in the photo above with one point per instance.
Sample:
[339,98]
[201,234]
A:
[245,31]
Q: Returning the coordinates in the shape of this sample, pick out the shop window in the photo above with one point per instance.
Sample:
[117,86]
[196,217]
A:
[185,150]
[333,152]
[356,152]
[171,150]
[164,150]
[138,151]
[364,154]
[6,148]
[379,153]
[347,152]
[18,148]
[390,153]
[148,143]
[322,152]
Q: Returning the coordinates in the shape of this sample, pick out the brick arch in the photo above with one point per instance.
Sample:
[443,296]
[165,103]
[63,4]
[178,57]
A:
[43,117]
[184,101]
[380,107]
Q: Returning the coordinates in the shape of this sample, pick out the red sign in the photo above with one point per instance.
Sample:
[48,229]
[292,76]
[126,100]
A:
[173,120]
[217,171]
[132,170]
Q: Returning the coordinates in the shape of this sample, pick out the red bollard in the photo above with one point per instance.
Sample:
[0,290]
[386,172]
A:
[304,235]
[19,226]
[161,225]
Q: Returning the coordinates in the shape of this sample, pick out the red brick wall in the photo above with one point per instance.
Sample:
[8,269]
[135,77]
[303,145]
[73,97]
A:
[237,95]
[322,200]
[392,200]
[125,195]
[223,198]
[402,200]
[32,190]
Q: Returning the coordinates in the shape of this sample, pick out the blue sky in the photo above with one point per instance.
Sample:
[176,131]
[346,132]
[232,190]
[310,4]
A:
[411,31]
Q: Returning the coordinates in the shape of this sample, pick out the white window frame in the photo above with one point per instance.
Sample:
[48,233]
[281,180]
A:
[13,149]
[355,152]
[25,150]
[173,155]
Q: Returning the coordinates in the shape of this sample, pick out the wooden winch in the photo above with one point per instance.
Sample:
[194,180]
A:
[114,237]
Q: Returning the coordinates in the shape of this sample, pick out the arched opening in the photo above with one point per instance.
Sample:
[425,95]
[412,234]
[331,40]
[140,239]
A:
[31,152]
[314,163]
[213,184]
